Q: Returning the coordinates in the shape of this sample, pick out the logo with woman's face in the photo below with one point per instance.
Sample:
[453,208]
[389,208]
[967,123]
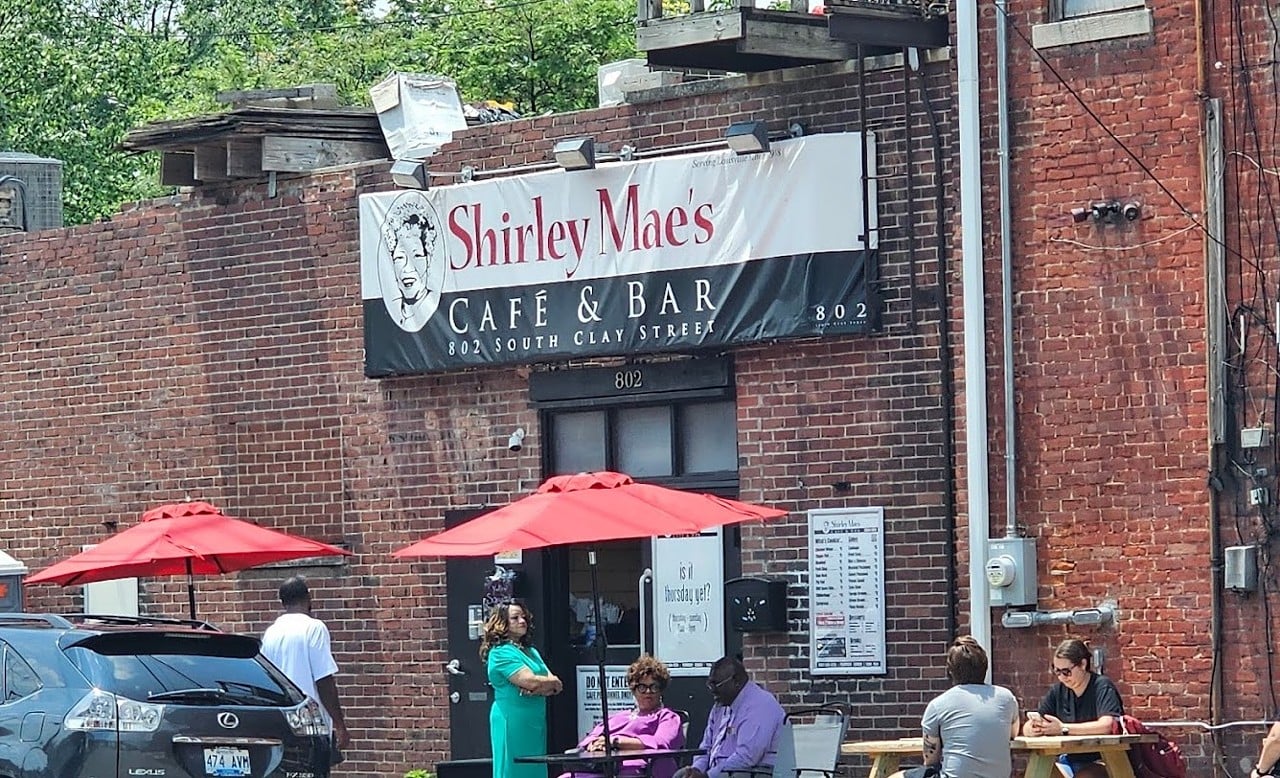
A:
[411,261]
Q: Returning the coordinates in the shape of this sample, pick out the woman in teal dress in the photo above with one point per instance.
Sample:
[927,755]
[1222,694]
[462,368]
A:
[520,681]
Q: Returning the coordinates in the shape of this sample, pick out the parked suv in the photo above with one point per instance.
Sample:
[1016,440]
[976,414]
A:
[122,697]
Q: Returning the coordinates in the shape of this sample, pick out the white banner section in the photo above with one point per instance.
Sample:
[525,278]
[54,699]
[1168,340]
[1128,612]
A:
[624,218]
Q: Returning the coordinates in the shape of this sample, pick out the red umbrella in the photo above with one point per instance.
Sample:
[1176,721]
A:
[194,538]
[588,508]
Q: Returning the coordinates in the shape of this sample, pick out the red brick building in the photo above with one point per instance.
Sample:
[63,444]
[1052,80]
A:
[211,345]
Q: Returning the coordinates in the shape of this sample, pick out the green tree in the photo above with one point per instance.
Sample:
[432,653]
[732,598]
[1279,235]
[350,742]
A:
[541,55]
[79,74]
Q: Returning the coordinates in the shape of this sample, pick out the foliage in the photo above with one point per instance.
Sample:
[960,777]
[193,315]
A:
[79,74]
[419,774]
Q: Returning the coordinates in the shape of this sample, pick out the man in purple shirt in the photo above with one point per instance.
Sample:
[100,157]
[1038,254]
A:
[742,728]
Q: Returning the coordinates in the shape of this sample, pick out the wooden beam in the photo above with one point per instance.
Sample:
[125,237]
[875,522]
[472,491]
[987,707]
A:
[244,158]
[289,154]
[779,38]
[674,32]
[178,168]
[211,162]
[306,96]
[880,31]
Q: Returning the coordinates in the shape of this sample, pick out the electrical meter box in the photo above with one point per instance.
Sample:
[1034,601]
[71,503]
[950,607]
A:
[11,574]
[1011,571]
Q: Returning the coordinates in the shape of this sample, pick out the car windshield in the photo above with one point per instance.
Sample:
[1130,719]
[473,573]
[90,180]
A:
[199,669]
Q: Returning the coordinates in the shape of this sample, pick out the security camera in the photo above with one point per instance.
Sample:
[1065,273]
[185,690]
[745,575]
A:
[1132,211]
[1079,215]
[516,441]
[1102,211]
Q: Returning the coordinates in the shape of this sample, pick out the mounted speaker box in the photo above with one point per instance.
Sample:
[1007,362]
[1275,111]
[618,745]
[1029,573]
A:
[756,604]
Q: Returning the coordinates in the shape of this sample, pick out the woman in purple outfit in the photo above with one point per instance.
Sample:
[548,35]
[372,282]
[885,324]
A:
[647,725]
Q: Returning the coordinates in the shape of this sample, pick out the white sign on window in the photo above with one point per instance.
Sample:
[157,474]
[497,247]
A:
[620,698]
[688,602]
[846,574]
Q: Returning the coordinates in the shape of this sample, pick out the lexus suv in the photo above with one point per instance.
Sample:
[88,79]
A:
[122,697]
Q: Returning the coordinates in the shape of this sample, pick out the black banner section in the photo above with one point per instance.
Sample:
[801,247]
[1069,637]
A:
[676,310]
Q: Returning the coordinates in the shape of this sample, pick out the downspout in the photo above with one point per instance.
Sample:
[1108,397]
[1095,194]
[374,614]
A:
[1006,272]
[975,347]
[946,359]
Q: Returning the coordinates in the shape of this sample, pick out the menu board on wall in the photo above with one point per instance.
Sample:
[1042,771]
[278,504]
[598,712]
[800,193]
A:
[846,602]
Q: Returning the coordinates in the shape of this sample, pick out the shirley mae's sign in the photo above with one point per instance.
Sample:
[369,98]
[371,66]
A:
[669,254]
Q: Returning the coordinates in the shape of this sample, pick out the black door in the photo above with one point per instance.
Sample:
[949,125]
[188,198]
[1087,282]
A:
[469,692]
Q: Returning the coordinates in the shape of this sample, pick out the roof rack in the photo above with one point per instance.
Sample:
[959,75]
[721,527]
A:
[117,619]
[34,620]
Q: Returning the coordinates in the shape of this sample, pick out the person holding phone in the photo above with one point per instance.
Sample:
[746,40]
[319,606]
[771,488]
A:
[968,727]
[1081,702]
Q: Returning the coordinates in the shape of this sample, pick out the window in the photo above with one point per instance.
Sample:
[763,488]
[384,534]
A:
[20,679]
[695,442]
[1070,9]
[1084,21]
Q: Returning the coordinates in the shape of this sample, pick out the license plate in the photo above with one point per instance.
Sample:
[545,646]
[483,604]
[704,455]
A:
[224,761]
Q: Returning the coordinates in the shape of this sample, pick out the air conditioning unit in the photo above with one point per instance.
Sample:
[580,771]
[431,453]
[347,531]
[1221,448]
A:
[609,78]
[30,189]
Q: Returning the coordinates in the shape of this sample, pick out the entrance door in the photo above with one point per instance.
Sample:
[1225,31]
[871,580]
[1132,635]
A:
[469,692]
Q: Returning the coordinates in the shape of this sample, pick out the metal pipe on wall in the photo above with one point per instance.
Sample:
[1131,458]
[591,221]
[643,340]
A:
[1006,270]
[975,347]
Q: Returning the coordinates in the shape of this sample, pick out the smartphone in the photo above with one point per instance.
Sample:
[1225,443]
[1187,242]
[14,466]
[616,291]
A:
[1034,715]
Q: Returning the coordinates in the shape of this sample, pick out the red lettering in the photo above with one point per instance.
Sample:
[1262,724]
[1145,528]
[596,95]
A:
[703,222]
[555,234]
[630,221]
[676,218]
[455,226]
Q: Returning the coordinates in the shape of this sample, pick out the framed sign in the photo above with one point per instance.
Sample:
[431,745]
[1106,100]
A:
[688,602]
[846,602]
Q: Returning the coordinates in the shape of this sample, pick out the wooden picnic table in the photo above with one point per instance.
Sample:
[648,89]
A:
[1042,752]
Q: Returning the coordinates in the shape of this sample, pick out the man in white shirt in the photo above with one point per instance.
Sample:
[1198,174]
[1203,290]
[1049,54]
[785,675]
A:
[298,644]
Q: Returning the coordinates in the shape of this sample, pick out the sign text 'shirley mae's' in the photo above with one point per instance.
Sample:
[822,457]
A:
[659,255]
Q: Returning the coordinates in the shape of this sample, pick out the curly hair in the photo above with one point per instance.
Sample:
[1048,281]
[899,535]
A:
[497,628]
[648,666]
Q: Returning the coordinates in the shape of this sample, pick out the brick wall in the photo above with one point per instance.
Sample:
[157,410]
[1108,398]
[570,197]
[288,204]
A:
[1110,357]
[209,346]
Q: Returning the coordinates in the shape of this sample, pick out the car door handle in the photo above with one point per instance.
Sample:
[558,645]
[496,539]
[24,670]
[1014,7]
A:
[454,667]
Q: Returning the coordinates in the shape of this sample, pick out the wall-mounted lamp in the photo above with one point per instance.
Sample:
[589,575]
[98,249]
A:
[575,153]
[410,174]
[747,137]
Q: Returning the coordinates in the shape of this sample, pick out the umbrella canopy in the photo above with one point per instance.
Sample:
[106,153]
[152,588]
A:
[191,538]
[587,508]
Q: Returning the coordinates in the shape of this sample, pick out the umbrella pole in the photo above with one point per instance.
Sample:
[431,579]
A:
[600,649]
[191,590]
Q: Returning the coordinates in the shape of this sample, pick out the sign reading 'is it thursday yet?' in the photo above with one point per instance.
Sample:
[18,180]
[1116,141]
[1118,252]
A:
[667,254]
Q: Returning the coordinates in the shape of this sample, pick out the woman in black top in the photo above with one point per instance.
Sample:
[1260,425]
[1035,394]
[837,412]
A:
[1082,702]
